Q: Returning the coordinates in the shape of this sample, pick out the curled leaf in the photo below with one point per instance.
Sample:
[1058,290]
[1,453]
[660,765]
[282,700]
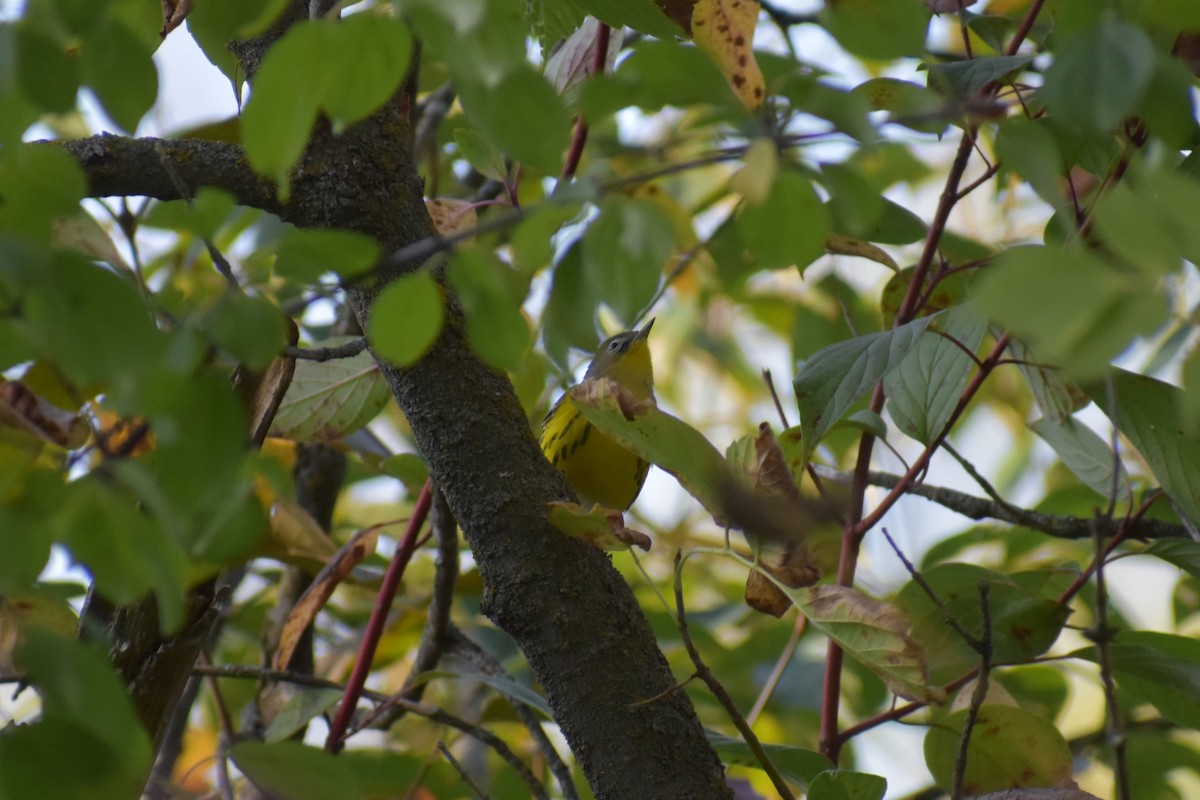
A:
[600,527]
[351,554]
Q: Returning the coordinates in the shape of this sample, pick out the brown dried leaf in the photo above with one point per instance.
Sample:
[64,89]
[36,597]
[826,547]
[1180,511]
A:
[725,30]
[351,554]
[174,13]
[451,216]
[773,510]
[295,537]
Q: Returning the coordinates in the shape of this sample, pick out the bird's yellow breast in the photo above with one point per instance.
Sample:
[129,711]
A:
[601,470]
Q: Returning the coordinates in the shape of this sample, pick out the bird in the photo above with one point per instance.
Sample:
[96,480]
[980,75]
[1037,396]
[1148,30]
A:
[601,470]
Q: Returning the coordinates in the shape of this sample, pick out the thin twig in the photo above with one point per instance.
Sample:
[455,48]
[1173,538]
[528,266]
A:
[347,350]
[783,420]
[777,671]
[226,738]
[462,772]
[429,712]
[718,691]
[464,647]
[971,639]
[978,696]
[1102,634]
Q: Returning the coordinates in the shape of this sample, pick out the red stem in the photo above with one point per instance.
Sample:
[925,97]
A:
[383,603]
[579,138]
[856,526]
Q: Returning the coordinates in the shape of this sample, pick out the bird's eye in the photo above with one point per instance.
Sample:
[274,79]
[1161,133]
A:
[614,346]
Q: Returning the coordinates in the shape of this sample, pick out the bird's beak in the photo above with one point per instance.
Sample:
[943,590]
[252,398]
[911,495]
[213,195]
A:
[645,332]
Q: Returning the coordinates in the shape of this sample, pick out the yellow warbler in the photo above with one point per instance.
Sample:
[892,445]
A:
[601,470]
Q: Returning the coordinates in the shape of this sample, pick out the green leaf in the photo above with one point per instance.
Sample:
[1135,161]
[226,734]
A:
[1183,553]
[1009,748]
[640,15]
[924,391]
[296,771]
[328,400]
[1175,15]
[833,379]
[504,112]
[120,69]
[1157,668]
[48,77]
[288,89]
[39,183]
[878,29]
[1168,107]
[300,708]
[1055,397]
[665,441]
[214,23]
[1024,623]
[86,713]
[305,254]
[368,54]
[1147,411]
[1146,221]
[406,318]
[910,104]
[1029,149]
[570,319]
[1024,289]
[796,764]
[874,633]
[624,252]
[962,79]
[842,784]
[481,154]
[532,241]
[89,322]
[251,329]
[512,689]
[1084,453]
[855,205]
[1099,75]
[789,227]
[491,294]
[656,74]
[203,216]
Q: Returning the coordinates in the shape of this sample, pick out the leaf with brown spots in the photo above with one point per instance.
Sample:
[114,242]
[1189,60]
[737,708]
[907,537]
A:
[874,633]
[725,30]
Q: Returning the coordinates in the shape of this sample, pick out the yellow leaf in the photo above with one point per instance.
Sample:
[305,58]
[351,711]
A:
[755,179]
[847,246]
[725,30]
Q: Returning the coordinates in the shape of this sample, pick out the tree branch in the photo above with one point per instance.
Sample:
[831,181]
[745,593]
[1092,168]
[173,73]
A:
[978,508]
